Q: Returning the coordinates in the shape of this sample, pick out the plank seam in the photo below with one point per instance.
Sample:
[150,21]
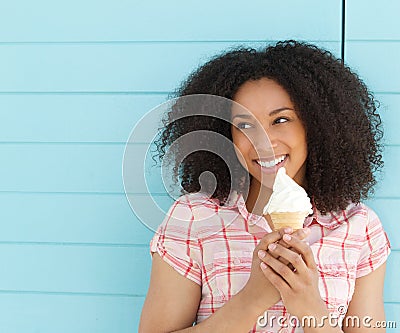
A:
[171,41]
[55,293]
[343,29]
[74,244]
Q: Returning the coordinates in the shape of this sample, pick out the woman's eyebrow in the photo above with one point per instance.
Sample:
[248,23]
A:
[246,116]
[273,112]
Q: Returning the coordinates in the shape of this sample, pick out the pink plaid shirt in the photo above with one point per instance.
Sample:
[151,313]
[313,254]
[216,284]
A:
[212,245]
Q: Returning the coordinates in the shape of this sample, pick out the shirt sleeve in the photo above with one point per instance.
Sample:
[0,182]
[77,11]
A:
[176,241]
[376,246]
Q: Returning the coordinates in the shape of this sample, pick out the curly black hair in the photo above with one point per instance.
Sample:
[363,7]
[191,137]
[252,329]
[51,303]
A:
[338,111]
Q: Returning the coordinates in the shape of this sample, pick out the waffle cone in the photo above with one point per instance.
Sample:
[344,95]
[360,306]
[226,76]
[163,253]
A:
[294,220]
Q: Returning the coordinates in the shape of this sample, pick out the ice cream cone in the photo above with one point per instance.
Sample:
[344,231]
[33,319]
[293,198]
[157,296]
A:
[294,220]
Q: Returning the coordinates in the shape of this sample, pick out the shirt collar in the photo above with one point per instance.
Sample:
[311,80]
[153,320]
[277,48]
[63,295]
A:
[237,202]
[331,221]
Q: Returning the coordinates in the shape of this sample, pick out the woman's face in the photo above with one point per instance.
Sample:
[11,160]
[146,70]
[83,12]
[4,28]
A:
[267,132]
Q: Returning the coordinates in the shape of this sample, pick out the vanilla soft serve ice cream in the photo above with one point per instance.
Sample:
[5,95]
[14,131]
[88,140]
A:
[287,196]
[289,203]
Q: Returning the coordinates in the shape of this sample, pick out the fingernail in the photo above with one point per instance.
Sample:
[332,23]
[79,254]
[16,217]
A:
[263,266]
[261,254]
[272,246]
[307,231]
[286,237]
[287,229]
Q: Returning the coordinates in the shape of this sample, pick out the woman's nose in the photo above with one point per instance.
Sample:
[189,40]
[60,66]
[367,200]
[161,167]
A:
[264,140]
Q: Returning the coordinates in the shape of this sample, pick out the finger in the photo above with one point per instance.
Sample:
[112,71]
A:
[273,237]
[281,231]
[300,234]
[302,248]
[276,256]
[292,257]
[275,279]
[284,271]
[285,245]
[281,259]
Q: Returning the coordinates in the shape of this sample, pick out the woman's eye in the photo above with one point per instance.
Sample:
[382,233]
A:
[243,125]
[280,120]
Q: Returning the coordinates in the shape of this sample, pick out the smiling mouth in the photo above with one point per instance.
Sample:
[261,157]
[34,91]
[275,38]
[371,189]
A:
[271,163]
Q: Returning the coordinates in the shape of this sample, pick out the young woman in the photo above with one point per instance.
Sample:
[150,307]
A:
[218,266]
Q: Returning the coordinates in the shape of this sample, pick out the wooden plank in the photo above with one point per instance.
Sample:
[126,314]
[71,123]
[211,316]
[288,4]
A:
[390,184]
[121,67]
[81,314]
[75,168]
[73,117]
[391,292]
[117,270]
[107,218]
[390,104]
[384,208]
[123,270]
[47,313]
[97,168]
[78,218]
[383,14]
[392,311]
[382,75]
[22,21]
[108,117]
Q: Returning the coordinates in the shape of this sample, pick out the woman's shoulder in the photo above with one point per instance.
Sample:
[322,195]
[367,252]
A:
[360,225]
[199,214]
[188,207]
[197,200]
[362,213]
[362,220]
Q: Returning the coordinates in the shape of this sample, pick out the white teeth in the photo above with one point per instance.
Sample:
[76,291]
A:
[271,163]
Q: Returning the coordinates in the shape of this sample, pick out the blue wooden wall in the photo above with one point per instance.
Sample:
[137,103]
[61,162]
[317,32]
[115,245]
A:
[75,77]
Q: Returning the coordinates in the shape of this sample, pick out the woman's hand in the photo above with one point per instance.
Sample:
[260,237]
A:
[298,288]
[299,234]
[259,291]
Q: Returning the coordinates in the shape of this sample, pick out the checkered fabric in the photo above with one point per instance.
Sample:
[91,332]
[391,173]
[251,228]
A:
[212,245]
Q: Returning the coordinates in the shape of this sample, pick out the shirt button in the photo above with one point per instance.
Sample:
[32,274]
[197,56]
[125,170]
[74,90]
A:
[236,261]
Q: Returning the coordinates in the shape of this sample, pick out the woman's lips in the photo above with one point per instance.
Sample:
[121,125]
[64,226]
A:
[273,169]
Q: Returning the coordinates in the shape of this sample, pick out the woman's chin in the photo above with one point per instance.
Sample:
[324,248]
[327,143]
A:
[265,181]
